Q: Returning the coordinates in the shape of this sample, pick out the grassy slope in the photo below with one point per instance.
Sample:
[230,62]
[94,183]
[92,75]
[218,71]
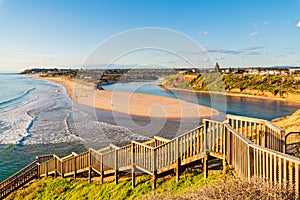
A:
[275,84]
[191,186]
[69,189]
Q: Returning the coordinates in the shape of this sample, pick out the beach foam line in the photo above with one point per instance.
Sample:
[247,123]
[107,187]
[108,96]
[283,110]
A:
[17,97]
[27,133]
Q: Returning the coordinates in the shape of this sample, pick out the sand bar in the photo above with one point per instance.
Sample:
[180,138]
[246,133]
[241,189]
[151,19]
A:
[132,103]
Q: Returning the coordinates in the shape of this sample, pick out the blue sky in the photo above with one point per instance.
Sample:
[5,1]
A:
[62,33]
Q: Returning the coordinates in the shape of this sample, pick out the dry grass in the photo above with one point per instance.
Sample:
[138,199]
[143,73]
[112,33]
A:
[231,189]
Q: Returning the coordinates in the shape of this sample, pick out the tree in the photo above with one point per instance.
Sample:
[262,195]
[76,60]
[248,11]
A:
[217,68]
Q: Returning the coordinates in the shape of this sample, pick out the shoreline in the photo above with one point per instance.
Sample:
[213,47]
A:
[230,94]
[135,104]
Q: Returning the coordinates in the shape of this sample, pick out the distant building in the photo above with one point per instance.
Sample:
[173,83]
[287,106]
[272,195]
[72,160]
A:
[294,70]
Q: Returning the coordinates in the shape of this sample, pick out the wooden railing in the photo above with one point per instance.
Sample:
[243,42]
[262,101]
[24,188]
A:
[124,157]
[214,138]
[166,154]
[236,151]
[18,180]
[261,132]
[143,157]
[249,160]
[251,147]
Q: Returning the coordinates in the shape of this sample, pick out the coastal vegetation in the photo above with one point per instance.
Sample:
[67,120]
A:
[50,188]
[192,185]
[284,86]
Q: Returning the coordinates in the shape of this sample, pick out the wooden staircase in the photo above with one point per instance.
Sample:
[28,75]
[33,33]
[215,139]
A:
[251,147]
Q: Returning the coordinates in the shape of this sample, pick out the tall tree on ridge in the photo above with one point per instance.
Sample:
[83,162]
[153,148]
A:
[217,68]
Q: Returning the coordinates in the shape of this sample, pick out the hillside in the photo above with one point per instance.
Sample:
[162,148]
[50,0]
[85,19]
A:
[291,124]
[279,86]
[70,189]
[193,185]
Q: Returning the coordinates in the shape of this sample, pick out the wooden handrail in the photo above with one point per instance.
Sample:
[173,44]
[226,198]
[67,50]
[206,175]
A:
[242,137]
[229,116]
[18,173]
[114,146]
[161,139]
[265,122]
[143,145]
[276,153]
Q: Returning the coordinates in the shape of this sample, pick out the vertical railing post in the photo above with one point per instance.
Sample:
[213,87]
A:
[46,168]
[38,168]
[154,176]
[133,164]
[75,170]
[38,171]
[101,169]
[55,170]
[178,159]
[89,167]
[283,146]
[224,147]
[297,186]
[205,166]
[265,136]
[62,168]
[205,126]
[205,159]
[116,166]
[250,163]
[37,159]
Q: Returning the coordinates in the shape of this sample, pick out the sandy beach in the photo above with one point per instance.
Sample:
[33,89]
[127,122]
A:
[132,103]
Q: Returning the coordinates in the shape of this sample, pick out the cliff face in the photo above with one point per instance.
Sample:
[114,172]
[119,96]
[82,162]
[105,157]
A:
[289,123]
[287,95]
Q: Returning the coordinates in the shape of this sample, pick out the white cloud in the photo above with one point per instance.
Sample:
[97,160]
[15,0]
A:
[266,23]
[298,24]
[205,33]
[254,24]
[253,33]
[205,60]
[289,21]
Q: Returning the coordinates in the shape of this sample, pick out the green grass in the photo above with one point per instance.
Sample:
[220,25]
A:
[70,189]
